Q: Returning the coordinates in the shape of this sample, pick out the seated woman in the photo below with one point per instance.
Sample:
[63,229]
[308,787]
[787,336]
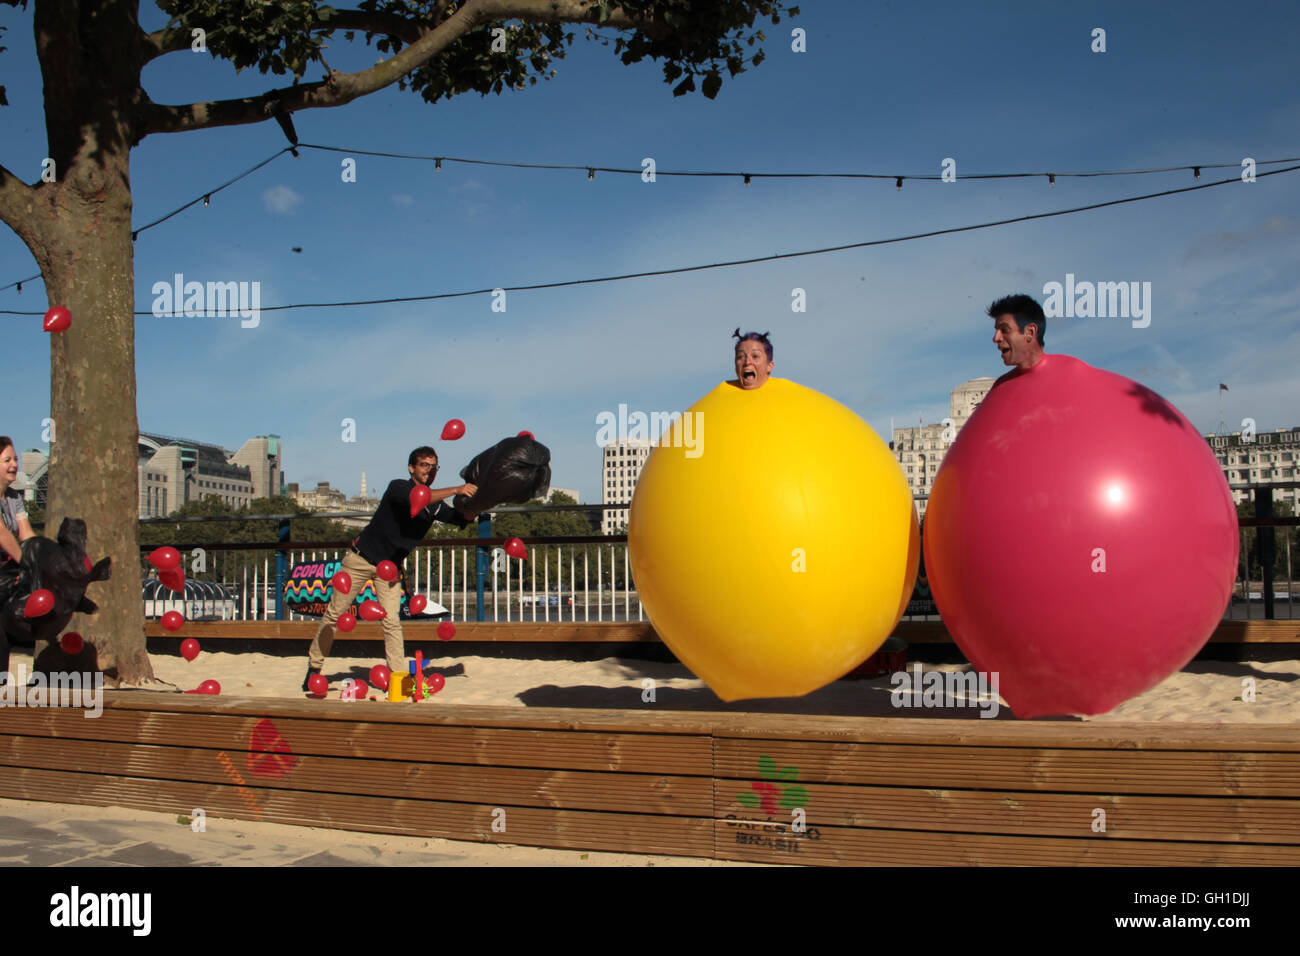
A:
[753,359]
[14,530]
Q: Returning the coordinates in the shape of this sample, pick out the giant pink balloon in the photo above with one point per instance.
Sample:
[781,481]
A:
[1081,540]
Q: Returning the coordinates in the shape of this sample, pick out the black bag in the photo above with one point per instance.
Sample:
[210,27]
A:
[60,568]
[514,471]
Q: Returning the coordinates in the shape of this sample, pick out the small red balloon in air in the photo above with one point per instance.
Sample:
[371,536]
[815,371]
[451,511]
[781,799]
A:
[165,558]
[210,687]
[446,631]
[189,648]
[372,611]
[72,643]
[419,499]
[525,434]
[515,548]
[418,603]
[173,621]
[342,581]
[346,622]
[386,571]
[434,682]
[58,319]
[454,429]
[173,580]
[379,675]
[39,602]
[318,685]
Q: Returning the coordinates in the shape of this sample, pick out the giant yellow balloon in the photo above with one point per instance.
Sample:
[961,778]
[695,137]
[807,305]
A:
[773,540]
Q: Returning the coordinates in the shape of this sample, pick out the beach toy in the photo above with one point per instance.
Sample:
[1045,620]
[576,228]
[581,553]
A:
[39,602]
[386,571]
[318,685]
[419,498]
[1081,540]
[446,631]
[379,675]
[797,553]
[417,676]
[189,648]
[173,579]
[399,689]
[57,319]
[72,643]
[515,548]
[372,611]
[342,581]
[346,622]
[210,687]
[418,603]
[453,430]
[165,558]
[173,621]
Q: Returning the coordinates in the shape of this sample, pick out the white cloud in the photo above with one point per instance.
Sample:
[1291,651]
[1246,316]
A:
[403,199]
[281,199]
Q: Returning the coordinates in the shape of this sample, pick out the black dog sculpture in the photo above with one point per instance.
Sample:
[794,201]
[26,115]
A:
[59,567]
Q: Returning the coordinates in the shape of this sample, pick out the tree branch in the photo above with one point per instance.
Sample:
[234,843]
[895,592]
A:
[18,207]
[343,88]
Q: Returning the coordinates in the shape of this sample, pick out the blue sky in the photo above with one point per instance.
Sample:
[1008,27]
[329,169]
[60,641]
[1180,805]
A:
[888,331]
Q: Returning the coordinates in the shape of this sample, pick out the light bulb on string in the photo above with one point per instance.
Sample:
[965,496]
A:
[1051,180]
[207,200]
[898,183]
[591,174]
[1196,173]
[437,164]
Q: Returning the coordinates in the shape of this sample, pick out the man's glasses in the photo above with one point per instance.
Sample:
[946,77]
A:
[426,465]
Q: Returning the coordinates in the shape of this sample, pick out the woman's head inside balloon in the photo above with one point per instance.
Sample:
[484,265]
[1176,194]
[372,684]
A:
[753,359]
[1018,329]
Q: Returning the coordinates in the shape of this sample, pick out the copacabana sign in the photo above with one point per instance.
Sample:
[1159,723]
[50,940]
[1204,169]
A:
[308,589]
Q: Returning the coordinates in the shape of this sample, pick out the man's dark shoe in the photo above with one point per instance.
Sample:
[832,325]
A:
[311,671]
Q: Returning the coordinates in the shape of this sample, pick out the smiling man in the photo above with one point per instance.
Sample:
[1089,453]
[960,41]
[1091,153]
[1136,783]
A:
[753,359]
[1018,327]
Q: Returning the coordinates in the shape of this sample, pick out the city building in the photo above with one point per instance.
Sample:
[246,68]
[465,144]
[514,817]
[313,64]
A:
[326,500]
[1260,459]
[620,467]
[920,448]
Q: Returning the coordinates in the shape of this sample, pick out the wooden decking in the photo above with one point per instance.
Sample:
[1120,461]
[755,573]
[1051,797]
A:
[878,791]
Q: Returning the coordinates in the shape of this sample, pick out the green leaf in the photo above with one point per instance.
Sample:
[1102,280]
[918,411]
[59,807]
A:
[747,799]
[794,797]
[767,767]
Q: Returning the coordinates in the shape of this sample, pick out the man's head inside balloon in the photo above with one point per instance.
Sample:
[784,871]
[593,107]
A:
[1018,329]
[423,464]
[753,358]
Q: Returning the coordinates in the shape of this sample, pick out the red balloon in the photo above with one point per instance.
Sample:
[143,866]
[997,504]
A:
[174,579]
[419,499]
[173,621]
[379,675]
[360,689]
[86,560]
[318,685]
[454,429]
[434,682]
[72,643]
[515,548]
[40,602]
[373,611]
[189,648]
[386,571]
[210,687]
[525,434]
[342,581]
[57,319]
[446,631]
[165,558]
[1081,541]
[418,603]
[346,622]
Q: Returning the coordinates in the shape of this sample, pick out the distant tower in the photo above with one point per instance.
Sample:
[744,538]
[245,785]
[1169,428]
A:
[363,484]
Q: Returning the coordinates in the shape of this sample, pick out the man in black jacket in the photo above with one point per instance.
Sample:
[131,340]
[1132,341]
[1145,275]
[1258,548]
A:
[391,535]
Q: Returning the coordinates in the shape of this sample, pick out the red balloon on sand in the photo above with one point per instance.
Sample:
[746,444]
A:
[40,602]
[57,319]
[173,621]
[446,631]
[318,685]
[434,682]
[346,622]
[72,643]
[515,548]
[165,558]
[373,611]
[342,581]
[173,580]
[418,603]
[189,648]
[454,429]
[210,687]
[419,499]
[379,675]
[386,571]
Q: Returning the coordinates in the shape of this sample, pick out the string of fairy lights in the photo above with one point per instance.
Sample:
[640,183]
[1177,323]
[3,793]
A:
[746,178]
